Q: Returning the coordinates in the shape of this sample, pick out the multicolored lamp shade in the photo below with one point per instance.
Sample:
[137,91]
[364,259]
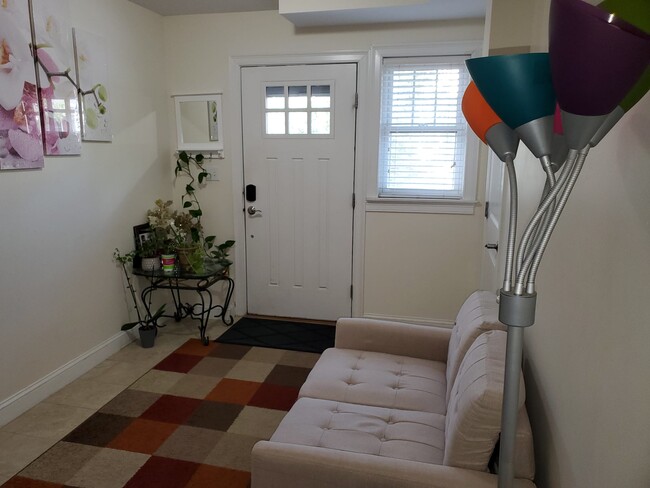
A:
[635,12]
[487,125]
[596,59]
[520,91]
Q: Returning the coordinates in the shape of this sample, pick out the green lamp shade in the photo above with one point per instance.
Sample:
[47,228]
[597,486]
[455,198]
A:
[636,12]
[518,87]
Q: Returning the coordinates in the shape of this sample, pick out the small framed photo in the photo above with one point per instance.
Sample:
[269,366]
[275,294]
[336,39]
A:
[141,234]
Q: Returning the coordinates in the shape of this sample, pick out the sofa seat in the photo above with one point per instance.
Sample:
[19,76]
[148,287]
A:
[379,380]
[386,432]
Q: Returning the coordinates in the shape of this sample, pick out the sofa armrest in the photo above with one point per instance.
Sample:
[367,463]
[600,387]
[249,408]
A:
[278,465]
[417,341]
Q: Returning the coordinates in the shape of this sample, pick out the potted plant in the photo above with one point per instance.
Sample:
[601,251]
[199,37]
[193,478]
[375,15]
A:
[150,252]
[147,325]
[192,167]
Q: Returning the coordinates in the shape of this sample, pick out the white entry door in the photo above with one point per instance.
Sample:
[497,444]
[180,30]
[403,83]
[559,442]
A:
[492,262]
[299,139]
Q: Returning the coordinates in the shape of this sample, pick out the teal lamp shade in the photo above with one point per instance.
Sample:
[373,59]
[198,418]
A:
[520,90]
[596,59]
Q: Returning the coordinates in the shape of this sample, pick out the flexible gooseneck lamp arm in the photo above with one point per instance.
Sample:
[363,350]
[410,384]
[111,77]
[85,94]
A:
[598,67]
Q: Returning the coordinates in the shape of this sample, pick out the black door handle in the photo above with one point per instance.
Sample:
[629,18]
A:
[492,246]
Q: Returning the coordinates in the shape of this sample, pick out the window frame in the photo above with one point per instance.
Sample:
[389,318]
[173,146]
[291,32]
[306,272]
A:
[374,203]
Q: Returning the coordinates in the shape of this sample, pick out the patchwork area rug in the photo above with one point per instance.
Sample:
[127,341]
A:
[295,336]
[189,422]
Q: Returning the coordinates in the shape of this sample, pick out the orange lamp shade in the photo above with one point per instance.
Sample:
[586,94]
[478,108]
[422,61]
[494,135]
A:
[478,112]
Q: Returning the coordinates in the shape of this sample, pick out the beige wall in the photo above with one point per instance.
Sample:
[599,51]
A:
[60,293]
[197,55]
[587,362]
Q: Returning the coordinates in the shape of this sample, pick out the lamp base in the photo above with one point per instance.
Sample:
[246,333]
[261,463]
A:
[517,310]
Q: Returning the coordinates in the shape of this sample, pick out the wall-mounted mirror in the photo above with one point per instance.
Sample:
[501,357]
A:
[199,122]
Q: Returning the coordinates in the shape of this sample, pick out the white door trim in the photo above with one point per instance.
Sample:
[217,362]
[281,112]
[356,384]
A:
[234,122]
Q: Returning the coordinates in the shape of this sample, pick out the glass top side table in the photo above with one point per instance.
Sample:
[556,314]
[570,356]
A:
[199,282]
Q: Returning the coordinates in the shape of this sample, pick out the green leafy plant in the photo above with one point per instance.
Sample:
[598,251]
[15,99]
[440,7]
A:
[192,166]
[144,321]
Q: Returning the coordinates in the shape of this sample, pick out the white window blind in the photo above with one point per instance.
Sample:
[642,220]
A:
[423,134]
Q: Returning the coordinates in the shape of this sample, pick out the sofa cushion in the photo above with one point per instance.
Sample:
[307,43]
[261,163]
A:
[473,420]
[479,313]
[392,433]
[378,379]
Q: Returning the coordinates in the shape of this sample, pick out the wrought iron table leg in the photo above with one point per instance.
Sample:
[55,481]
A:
[224,308]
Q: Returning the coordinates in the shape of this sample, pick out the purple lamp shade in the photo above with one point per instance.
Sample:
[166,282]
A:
[595,58]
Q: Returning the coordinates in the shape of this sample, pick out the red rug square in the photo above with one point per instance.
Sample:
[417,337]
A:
[274,396]
[207,475]
[144,436]
[178,363]
[171,409]
[20,482]
[233,391]
[161,472]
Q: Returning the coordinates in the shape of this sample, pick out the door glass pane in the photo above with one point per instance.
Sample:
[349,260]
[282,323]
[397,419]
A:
[320,123]
[275,97]
[298,123]
[275,123]
[320,96]
[297,97]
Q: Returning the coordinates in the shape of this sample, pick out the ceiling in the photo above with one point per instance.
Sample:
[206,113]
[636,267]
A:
[385,11]
[186,7]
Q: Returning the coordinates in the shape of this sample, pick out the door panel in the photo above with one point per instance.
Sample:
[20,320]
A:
[491,278]
[299,243]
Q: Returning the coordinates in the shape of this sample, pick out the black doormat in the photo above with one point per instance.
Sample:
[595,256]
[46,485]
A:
[279,334]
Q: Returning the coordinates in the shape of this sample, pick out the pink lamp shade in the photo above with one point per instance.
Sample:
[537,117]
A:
[596,59]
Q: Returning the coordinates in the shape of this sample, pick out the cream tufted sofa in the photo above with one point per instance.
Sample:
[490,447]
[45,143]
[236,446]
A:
[400,405]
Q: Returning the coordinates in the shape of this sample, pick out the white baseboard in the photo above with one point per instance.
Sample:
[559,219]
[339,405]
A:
[412,320]
[20,402]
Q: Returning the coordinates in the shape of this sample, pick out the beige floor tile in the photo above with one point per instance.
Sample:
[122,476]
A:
[156,381]
[116,372]
[49,421]
[299,359]
[257,422]
[264,355]
[109,468]
[86,394]
[18,450]
[250,371]
[194,386]
[232,451]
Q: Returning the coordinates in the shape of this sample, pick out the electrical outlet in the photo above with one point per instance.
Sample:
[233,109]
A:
[211,169]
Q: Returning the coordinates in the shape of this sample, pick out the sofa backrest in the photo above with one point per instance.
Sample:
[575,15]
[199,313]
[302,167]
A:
[479,313]
[473,421]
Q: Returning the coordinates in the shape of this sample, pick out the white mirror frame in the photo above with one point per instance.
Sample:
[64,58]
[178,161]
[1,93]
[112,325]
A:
[216,145]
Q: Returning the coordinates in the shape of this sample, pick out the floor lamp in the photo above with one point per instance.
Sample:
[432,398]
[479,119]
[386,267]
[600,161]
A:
[596,69]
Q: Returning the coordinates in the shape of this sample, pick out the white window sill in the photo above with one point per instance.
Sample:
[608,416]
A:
[420,205]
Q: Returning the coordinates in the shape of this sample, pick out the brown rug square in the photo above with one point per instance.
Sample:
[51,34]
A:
[190,422]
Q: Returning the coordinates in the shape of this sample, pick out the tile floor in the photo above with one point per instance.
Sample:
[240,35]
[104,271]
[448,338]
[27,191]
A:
[37,430]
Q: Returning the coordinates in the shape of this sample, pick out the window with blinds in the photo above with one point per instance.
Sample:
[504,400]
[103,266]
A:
[423,134]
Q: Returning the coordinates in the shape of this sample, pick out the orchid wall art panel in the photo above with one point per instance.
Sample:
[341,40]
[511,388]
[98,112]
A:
[58,91]
[92,77]
[20,123]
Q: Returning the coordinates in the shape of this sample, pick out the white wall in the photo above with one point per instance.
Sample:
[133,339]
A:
[197,51]
[60,293]
[587,359]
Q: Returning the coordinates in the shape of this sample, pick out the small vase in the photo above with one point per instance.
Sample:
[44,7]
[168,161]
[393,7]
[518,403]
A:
[147,336]
[185,258]
[150,264]
[168,262]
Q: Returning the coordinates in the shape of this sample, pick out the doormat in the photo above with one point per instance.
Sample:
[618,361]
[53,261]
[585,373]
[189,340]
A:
[279,334]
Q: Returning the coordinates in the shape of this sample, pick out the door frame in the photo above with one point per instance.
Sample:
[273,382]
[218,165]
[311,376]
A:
[235,128]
